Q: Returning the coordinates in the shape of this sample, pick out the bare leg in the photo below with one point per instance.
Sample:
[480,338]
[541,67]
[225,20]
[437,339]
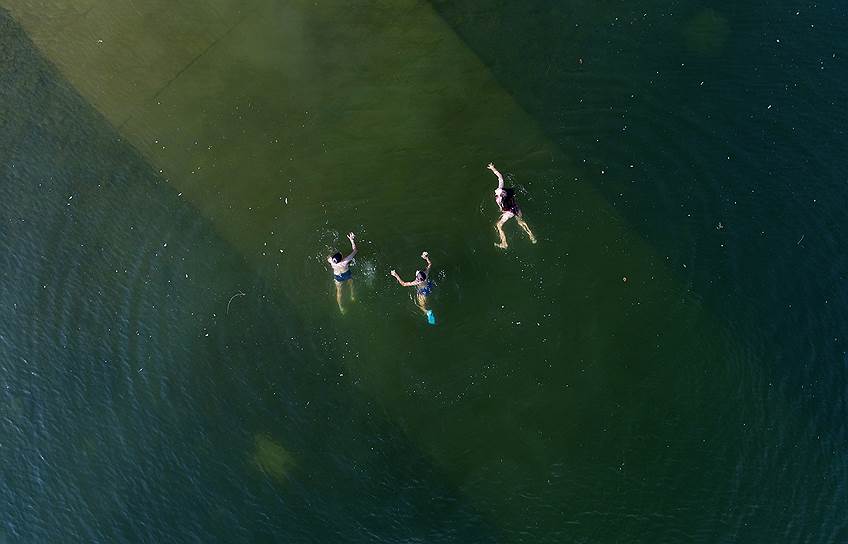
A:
[339,296]
[523,224]
[422,303]
[352,297]
[499,227]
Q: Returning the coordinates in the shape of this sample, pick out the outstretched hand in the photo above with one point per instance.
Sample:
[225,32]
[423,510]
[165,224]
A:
[351,236]
[393,273]
[425,255]
[491,166]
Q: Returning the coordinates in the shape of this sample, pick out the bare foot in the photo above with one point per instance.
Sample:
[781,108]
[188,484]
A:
[502,246]
[341,309]
[533,239]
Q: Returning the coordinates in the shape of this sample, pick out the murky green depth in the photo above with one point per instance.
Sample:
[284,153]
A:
[666,365]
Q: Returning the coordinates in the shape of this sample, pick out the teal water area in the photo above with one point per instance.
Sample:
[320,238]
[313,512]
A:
[173,366]
[138,406]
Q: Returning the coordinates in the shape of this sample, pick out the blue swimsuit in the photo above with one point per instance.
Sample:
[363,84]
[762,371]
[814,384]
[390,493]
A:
[343,277]
[425,289]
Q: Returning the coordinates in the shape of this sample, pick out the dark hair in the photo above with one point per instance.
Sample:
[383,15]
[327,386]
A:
[336,257]
[421,275]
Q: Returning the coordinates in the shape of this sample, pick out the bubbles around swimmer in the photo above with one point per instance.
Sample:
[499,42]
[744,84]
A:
[368,270]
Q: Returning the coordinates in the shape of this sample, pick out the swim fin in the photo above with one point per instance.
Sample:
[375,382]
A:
[431,317]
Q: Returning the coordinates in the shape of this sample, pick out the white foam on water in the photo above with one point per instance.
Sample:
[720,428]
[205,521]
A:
[368,270]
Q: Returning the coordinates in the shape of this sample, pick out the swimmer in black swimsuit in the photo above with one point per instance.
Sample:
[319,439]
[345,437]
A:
[341,271]
[505,198]
[422,284]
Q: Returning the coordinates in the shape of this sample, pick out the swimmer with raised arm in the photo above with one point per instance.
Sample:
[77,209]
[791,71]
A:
[505,198]
[423,287]
[341,271]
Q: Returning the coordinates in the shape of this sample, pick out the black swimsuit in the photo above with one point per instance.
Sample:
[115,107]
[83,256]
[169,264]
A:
[508,204]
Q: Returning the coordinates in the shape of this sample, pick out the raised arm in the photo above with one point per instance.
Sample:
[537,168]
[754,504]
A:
[400,281]
[352,239]
[426,257]
[495,172]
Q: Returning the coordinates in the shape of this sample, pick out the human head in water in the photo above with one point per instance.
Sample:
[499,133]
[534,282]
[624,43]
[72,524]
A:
[336,257]
[421,276]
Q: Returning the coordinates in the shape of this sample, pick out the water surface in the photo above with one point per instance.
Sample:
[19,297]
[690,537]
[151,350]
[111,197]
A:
[164,161]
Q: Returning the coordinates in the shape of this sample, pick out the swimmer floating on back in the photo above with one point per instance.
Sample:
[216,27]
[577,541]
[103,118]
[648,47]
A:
[423,287]
[341,271]
[505,199]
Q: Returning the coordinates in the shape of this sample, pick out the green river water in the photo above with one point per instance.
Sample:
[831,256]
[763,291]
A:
[665,365]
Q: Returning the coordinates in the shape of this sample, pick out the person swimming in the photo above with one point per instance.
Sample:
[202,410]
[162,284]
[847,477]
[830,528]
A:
[505,199]
[342,272]
[423,287]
